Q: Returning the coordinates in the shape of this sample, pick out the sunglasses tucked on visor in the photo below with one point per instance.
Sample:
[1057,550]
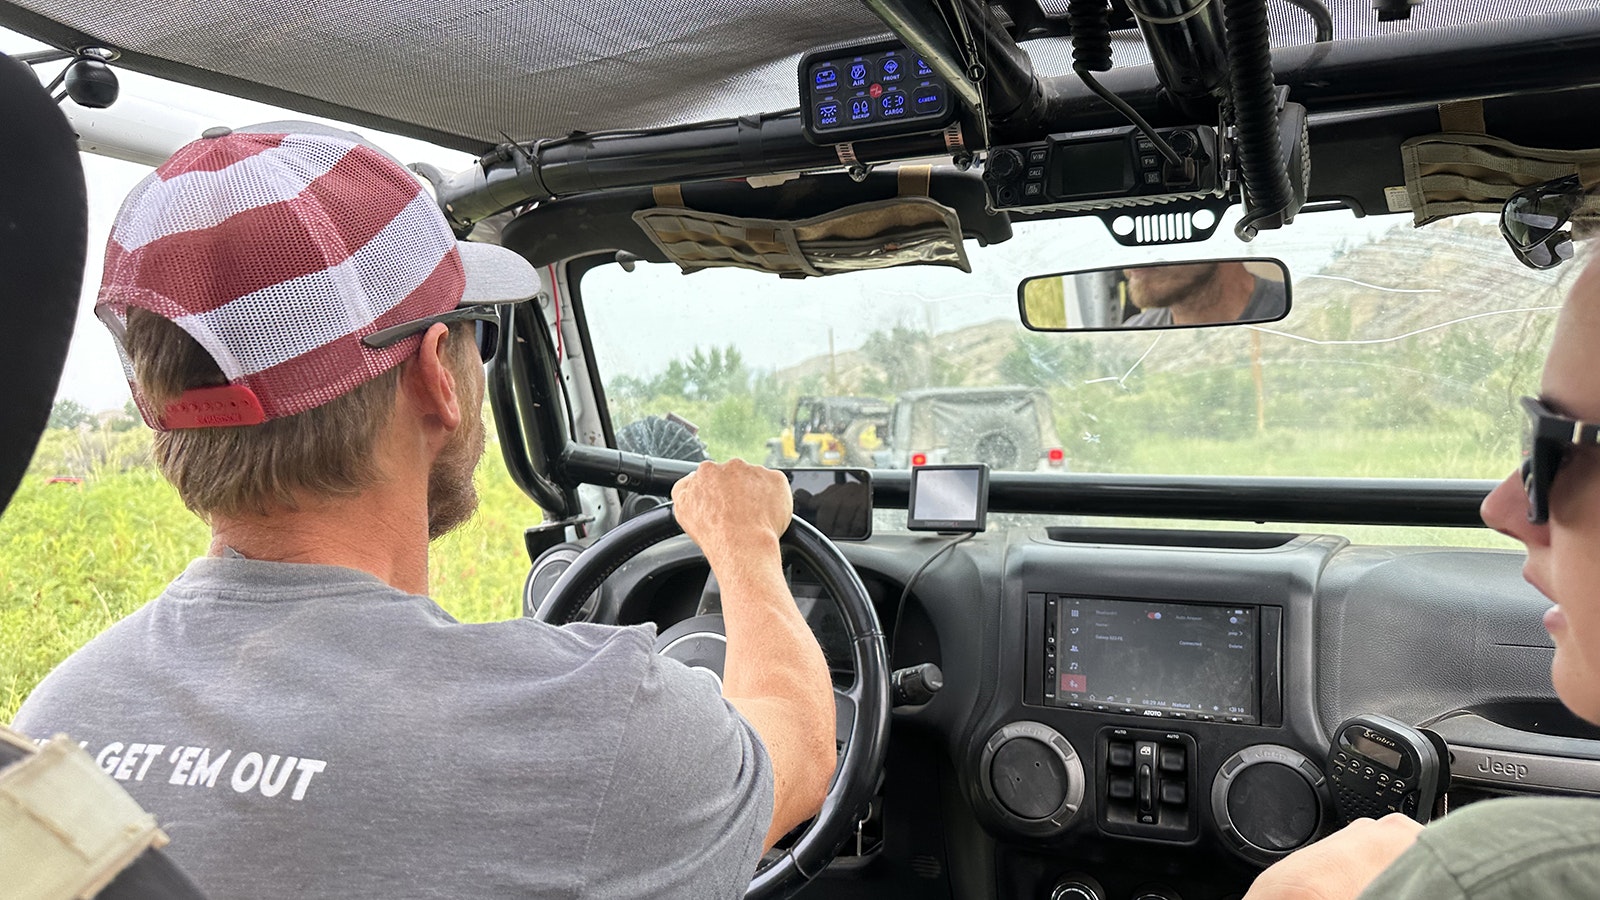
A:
[1534,221]
[1547,439]
[485,318]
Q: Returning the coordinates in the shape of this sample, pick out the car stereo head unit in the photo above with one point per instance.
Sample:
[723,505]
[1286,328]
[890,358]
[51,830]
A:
[1157,658]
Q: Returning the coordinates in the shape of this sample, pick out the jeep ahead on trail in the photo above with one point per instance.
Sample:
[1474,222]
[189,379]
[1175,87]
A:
[1007,428]
[1274,525]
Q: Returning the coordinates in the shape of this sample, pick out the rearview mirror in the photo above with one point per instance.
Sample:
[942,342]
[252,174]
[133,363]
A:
[1157,295]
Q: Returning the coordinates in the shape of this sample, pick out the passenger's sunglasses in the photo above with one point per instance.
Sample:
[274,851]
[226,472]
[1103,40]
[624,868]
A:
[1547,439]
[486,320]
[1534,221]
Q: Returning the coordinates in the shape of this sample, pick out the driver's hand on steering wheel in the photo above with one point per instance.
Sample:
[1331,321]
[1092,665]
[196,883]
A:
[731,509]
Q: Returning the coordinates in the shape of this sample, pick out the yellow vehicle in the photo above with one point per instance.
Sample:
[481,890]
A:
[830,431]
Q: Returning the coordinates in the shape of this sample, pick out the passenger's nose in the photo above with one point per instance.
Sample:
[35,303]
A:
[1506,511]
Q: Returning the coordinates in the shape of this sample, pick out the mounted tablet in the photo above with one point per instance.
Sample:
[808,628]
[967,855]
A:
[948,498]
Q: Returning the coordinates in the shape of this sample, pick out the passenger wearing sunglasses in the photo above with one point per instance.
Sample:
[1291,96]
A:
[307,335]
[1535,848]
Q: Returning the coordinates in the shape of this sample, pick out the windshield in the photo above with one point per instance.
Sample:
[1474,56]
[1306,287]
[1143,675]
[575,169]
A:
[1402,356]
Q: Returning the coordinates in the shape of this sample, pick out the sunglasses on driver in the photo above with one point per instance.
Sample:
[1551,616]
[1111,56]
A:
[1547,441]
[485,319]
[1534,221]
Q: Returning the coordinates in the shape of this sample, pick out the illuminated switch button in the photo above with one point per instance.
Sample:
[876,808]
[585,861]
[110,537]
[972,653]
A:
[923,69]
[1172,759]
[826,78]
[1173,793]
[828,114]
[892,104]
[1121,789]
[928,100]
[1120,756]
[892,68]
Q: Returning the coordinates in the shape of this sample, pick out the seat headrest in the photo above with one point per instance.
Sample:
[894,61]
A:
[44,216]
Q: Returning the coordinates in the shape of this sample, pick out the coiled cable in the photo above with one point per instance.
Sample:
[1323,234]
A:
[1255,109]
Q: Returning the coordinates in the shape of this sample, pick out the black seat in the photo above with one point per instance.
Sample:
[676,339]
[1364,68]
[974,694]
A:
[44,222]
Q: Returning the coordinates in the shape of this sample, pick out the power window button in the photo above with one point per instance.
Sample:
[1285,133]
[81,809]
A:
[1172,759]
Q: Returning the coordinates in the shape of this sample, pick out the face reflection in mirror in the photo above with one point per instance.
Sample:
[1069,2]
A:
[1159,295]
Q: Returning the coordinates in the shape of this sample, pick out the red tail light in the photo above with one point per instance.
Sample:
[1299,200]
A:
[1056,456]
[919,459]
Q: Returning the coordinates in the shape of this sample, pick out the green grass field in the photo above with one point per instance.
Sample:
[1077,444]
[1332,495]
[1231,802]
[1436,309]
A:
[76,558]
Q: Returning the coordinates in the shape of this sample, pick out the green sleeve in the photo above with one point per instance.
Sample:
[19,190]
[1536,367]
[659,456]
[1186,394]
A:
[1532,848]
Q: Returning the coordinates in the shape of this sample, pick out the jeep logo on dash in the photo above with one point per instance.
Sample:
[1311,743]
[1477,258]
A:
[1513,771]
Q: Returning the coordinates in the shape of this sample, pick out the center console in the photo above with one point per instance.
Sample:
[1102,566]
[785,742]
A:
[1151,724]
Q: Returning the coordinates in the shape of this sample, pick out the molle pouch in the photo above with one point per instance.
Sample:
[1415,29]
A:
[1463,170]
[909,229]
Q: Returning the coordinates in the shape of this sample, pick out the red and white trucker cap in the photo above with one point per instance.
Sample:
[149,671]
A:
[278,247]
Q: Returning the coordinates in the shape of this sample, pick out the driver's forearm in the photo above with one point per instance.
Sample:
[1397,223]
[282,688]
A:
[775,675]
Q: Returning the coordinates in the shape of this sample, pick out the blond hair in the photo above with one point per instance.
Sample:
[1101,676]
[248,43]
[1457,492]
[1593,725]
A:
[326,451]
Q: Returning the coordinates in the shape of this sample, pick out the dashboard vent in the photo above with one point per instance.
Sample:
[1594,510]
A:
[1164,537]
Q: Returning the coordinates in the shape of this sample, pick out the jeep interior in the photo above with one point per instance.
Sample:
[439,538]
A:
[1208,548]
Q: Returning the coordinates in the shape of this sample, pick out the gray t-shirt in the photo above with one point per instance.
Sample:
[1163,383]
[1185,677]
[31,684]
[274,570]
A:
[1266,302]
[309,731]
[1541,848]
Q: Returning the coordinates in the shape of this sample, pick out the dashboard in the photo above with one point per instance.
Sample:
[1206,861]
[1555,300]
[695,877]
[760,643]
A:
[1146,715]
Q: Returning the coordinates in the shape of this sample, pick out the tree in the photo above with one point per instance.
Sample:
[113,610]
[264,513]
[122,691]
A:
[68,414]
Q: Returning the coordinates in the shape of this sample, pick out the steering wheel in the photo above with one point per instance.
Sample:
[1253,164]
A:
[863,708]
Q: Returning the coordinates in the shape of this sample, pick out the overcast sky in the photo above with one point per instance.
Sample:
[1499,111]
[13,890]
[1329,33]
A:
[93,376]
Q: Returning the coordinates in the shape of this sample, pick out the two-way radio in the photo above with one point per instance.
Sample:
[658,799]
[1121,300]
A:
[1380,765]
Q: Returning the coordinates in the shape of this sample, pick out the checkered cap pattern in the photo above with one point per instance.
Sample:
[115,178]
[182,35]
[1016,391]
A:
[278,253]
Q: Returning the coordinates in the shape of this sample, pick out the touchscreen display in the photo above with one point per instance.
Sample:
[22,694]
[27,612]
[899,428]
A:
[1149,655]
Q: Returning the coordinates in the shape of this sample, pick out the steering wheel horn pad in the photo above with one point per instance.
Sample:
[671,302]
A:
[863,707]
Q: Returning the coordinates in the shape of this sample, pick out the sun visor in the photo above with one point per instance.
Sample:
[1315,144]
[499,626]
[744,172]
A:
[909,229]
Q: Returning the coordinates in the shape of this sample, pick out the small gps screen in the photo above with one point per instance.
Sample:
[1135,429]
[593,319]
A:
[949,498]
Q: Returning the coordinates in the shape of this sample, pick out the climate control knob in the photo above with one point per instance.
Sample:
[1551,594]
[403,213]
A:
[1032,777]
[1268,800]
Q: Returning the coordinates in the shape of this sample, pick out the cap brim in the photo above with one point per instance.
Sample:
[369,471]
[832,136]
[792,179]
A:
[496,275]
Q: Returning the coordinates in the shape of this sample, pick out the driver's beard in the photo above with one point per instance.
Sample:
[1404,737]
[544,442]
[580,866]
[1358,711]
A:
[452,497]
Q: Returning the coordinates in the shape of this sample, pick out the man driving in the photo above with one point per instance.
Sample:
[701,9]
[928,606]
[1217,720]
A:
[1204,293]
[306,334]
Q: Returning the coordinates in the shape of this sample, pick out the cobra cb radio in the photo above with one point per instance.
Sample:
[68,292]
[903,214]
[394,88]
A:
[1379,765]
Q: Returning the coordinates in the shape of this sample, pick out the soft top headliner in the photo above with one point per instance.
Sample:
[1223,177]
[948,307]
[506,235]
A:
[470,73]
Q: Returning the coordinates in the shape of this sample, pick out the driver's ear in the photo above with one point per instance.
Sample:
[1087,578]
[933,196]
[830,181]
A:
[428,381]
